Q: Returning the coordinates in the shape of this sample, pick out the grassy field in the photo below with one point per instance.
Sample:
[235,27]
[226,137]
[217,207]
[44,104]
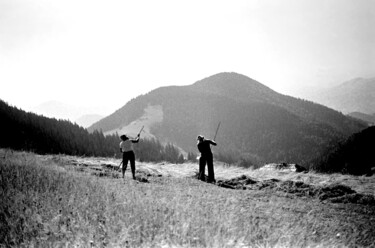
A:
[79,202]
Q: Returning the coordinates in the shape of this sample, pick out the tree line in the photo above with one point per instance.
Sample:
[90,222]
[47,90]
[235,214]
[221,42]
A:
[27,131]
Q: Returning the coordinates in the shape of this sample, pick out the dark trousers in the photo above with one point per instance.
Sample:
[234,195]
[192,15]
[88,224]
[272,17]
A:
[203,160]
[126,156]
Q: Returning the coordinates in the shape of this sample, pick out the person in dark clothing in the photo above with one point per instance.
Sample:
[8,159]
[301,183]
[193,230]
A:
[204,147]
[126,147]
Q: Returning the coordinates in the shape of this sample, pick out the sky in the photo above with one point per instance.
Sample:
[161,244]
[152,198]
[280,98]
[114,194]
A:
[101,54]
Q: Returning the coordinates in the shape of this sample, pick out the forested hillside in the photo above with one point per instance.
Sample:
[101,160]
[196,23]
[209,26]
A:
[355,155]
[30,132]
[258,125]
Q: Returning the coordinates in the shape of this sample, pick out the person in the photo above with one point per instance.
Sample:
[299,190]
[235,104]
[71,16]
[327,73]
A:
[126,147]
[204,147]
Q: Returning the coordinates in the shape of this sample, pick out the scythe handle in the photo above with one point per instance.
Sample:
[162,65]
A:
[217,129]
[141,131]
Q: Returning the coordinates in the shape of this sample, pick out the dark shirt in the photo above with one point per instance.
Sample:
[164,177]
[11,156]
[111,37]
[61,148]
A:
[204,147]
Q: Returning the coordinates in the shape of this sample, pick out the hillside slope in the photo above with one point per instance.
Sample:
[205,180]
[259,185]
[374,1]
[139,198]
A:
[257,123]
[31,132]
[354,156]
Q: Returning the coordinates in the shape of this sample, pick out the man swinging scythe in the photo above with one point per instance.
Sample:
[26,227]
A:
[204,147]
[126,147]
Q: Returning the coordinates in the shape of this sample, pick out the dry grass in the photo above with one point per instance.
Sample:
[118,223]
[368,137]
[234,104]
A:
[50,201]
[361,184]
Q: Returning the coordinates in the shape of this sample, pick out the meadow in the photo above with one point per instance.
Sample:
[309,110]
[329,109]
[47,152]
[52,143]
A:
[66,201]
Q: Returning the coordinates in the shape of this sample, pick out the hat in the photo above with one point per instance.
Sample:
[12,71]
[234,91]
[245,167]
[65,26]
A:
[123,137]
[200,137]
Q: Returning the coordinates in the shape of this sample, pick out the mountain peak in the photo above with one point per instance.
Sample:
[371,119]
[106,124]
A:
[232,84]
[226,79]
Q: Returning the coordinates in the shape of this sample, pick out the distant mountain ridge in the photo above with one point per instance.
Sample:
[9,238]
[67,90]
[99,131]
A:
[65,111]
[356,95]
[258,123]
[88,120]
[370,119]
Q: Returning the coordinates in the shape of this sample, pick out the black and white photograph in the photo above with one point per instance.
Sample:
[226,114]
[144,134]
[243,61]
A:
[171,123]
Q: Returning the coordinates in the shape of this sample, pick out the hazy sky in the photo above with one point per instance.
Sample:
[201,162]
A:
[103,53]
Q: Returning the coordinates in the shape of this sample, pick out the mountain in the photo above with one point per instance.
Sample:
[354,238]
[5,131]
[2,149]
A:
[88,120]
[354,156]
[257,123]
[370,119]
[356,95]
